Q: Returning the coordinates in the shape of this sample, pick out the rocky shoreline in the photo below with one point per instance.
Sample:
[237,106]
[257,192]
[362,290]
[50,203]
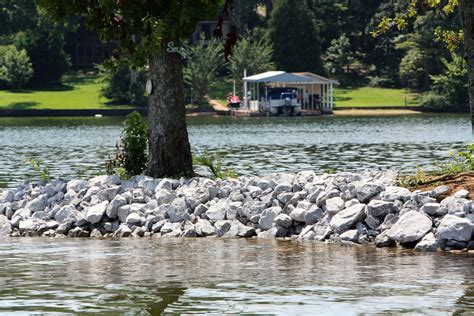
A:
[352,208]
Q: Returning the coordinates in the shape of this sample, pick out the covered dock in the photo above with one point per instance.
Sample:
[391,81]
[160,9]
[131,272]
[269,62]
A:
[268,91]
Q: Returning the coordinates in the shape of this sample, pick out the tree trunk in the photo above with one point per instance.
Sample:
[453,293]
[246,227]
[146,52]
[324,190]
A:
[169,152]
[466,8]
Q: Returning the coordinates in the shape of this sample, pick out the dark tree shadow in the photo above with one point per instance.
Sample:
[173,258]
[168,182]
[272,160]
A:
[21,105]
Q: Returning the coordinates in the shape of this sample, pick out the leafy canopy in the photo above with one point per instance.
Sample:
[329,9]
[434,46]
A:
[252,52]
[139,26]
[400,20]
[203,61]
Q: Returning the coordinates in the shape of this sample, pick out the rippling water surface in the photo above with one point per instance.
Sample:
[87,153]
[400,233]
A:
[79,146]
[220,276]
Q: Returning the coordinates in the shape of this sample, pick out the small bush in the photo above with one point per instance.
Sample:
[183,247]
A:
[434,102]
[120,88]
[381,82]
[131,151]
[213,163]
[15,68]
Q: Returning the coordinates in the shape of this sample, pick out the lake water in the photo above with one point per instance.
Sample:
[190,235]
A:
[176,276]
[80,146]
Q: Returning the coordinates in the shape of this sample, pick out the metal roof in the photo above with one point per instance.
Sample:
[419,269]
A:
[278,76]
[316,78]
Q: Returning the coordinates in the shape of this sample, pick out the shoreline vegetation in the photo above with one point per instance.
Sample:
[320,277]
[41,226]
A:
[81,91]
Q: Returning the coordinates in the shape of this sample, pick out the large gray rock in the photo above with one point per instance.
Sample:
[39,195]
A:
[463,193]
[108,194]
[218,211]
[350,235]
[454,228]
[268,216]
[298,214]
[410,227]
[366,191]
[346,218]
[274,232]
[378,208]
[76,185]
[7,196]
[321,231]
[427,244]
[252,207]
[204,228]
[382,240]
[440,190]
[434,209]
[164,196]
[456,206]
[114,205]
[5,227]
[237,229]
[28,225]
[195,195]
[122,231]
[65,214]
[393,193]
[313,215]
[283,220]
[170,227]
[133,219]
[222,227]
[334,205]
[94,214]
[38,204]
[178,211]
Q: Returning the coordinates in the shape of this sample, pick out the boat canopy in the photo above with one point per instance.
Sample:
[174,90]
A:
[278,76]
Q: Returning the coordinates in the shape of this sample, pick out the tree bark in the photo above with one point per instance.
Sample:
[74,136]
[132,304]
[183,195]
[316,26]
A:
[169,152]
[466,8]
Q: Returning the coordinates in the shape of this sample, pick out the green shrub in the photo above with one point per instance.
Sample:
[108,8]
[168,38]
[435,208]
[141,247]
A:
[382,82]
[213,163]
[15,69]
[120,88]
[131,151]
[434,102]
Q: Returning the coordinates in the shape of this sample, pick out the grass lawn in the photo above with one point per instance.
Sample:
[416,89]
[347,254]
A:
[373,97]
[75,92]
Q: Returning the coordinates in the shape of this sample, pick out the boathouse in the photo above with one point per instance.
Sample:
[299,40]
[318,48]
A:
[302,91]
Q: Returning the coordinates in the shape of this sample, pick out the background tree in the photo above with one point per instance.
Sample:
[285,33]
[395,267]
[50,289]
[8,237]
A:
[466,10]
[149,32]
[203,61]
[27,27]
[339,56]
[252,52]
[120,87]
[15,67]
[295,38]
[453,82]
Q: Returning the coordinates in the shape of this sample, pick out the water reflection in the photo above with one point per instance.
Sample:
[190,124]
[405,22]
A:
[79,146]
[228,276]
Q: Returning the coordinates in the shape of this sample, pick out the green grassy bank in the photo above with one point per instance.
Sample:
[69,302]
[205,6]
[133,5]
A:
[81,91]
[74,92]
[373,97]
